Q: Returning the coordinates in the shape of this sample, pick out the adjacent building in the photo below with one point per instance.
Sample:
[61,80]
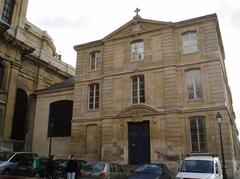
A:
[28,61]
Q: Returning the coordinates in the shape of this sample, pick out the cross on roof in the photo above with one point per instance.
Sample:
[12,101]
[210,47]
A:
[137,10]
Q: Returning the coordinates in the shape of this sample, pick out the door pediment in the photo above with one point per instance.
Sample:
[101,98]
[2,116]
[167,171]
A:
[137,110]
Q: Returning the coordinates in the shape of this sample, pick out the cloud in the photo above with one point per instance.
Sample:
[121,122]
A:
[231,14]
[61,22]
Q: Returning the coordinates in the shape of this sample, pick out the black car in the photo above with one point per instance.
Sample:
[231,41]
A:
[151,171]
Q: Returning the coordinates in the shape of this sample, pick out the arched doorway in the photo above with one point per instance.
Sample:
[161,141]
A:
[19,120]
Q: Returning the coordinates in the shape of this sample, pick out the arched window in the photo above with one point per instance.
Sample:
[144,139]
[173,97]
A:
[60,117]
[2,70]
[194,84]
[8,11]
[198,134]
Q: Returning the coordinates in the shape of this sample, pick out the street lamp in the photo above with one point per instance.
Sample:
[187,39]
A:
[219,121]
[51,125]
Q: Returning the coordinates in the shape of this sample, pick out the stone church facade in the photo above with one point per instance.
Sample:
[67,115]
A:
[150,92]
[147,92]
[28,61]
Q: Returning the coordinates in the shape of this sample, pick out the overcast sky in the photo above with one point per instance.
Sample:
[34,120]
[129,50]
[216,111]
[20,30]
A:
[73,22]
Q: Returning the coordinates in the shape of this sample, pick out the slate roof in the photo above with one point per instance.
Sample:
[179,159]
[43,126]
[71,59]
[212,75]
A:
[65,84]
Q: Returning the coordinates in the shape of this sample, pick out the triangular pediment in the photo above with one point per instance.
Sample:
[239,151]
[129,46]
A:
[137,26]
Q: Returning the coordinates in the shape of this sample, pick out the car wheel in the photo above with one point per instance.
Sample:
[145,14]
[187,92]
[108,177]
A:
[6,172]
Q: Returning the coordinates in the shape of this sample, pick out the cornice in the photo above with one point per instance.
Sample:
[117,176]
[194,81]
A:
[55,91]
[10,60]
[88,44]
[26,48]
[145,69]
[32,59]
[195,20]
[160,112]
[3,27]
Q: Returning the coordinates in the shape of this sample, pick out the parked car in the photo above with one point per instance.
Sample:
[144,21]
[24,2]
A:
[32,167]
[102,170]
[9,161]
[61,165]
[200,166]
[151,171]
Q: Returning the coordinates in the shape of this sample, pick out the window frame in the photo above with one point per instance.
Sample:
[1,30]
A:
[2,74]
[140,98]
[7,13]
[95,96]
[190,44]
[200,141]
[96,61]
[137,50]
[193,80]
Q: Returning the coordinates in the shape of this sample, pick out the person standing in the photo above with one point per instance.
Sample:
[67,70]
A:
[72,167]
[50,168]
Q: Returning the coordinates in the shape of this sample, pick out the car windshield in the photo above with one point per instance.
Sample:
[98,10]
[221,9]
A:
[4,156]
[94,167]
[197,166]
[152,169]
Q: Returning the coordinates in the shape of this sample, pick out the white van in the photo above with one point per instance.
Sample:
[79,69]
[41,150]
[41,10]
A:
[200,167]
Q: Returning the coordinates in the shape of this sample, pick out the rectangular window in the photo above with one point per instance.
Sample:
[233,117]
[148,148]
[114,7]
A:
[95,60]
[189,42]
[197,127]
[1,116]
[138,92]
[194,84]
[93,96]
[137,51]
[1,75]
[7,11]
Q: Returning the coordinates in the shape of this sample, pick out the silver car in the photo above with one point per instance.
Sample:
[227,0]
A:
[102,170]
[9,161]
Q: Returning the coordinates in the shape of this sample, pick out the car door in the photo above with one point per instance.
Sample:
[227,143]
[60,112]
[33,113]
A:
[24,167]
[119,171]
[14,162]
[165,174]
[112,172]
[95,170]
